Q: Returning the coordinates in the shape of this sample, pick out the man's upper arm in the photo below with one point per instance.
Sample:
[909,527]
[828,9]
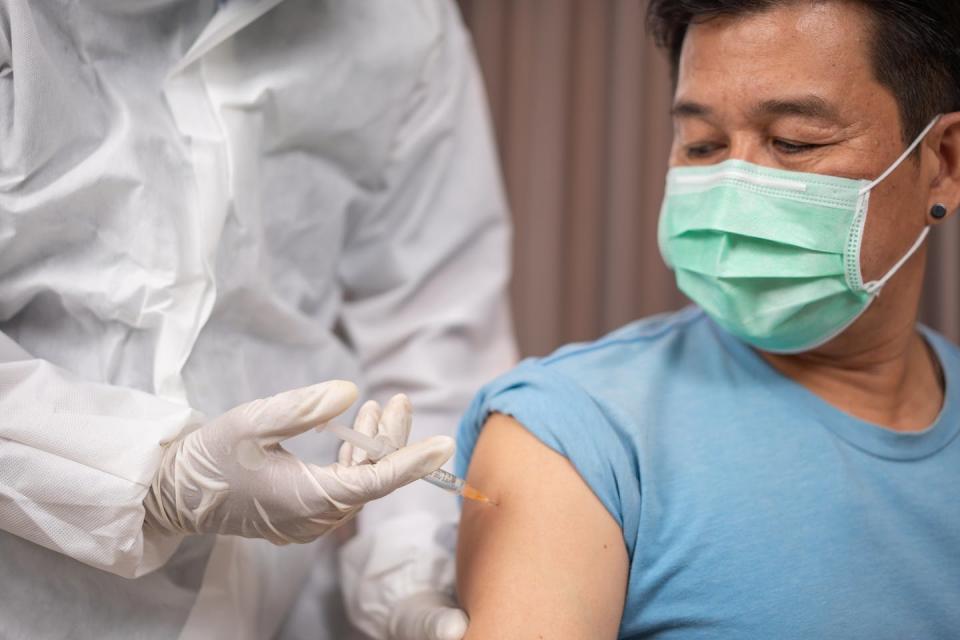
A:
[549,561]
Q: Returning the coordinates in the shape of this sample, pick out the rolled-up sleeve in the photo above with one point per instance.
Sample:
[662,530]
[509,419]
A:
[76,460]
[565,417]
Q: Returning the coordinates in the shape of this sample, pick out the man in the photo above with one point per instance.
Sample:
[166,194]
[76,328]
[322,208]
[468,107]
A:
[201,204]
[780,462]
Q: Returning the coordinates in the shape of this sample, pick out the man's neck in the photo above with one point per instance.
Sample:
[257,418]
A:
[895,383]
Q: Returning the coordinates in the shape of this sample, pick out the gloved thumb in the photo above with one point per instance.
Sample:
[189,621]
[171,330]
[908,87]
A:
[428,616]
[289,413]
[359,484]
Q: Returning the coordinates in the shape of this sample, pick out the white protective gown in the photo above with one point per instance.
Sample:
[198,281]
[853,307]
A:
[199,207]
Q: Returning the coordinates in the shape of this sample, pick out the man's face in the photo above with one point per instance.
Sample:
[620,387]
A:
[793,88]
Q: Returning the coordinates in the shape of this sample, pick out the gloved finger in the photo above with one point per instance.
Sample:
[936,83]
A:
[437,624]
[286,414]
[356,485]
[345,454]
[366,423]
[428,617]
[447,624]
[396,421]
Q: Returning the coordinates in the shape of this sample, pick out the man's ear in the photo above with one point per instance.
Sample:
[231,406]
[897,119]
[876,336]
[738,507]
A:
[945,188]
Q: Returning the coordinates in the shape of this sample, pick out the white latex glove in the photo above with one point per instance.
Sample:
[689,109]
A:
[398,580]
[231,476]
[431,615]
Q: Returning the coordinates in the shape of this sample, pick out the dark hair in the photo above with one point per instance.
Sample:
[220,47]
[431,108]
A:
[915,46]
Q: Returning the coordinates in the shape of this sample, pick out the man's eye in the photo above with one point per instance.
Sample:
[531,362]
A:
[702,150]
[794,147]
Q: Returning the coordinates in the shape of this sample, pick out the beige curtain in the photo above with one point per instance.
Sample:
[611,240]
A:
[580,100]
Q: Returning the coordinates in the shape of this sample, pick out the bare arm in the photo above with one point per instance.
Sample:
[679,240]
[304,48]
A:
[549,561]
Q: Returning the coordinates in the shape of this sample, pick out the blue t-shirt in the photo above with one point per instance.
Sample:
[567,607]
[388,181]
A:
[750,508]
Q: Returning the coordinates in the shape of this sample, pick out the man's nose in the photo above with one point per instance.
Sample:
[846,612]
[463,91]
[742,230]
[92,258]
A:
[750,147]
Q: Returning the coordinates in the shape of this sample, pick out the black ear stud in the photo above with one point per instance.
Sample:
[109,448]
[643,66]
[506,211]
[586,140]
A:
[939,212]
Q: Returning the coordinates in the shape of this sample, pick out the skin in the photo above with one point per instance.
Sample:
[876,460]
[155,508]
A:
[549,561]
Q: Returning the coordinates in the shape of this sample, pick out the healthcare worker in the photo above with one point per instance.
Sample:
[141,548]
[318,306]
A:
[203,203]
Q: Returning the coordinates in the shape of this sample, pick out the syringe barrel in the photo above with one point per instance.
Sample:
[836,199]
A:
[445,480]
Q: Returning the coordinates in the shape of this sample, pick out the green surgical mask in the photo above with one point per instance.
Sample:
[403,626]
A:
[772,256]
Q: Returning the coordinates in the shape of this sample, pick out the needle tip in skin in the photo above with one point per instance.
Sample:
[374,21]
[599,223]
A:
[472,494]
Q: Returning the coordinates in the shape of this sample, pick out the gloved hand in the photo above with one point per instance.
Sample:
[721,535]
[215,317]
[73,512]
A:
[231,476]
[432,615]
[398,580]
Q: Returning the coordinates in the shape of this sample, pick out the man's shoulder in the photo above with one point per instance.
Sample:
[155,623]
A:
[644,343]
[615,380]
[947,352]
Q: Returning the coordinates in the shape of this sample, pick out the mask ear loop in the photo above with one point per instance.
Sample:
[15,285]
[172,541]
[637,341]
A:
[875,286]
[899,161]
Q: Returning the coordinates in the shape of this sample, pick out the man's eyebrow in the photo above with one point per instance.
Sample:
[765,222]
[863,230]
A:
[690,109]
[810,106]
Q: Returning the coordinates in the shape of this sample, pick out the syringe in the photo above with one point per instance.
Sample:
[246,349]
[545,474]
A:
[378,449]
